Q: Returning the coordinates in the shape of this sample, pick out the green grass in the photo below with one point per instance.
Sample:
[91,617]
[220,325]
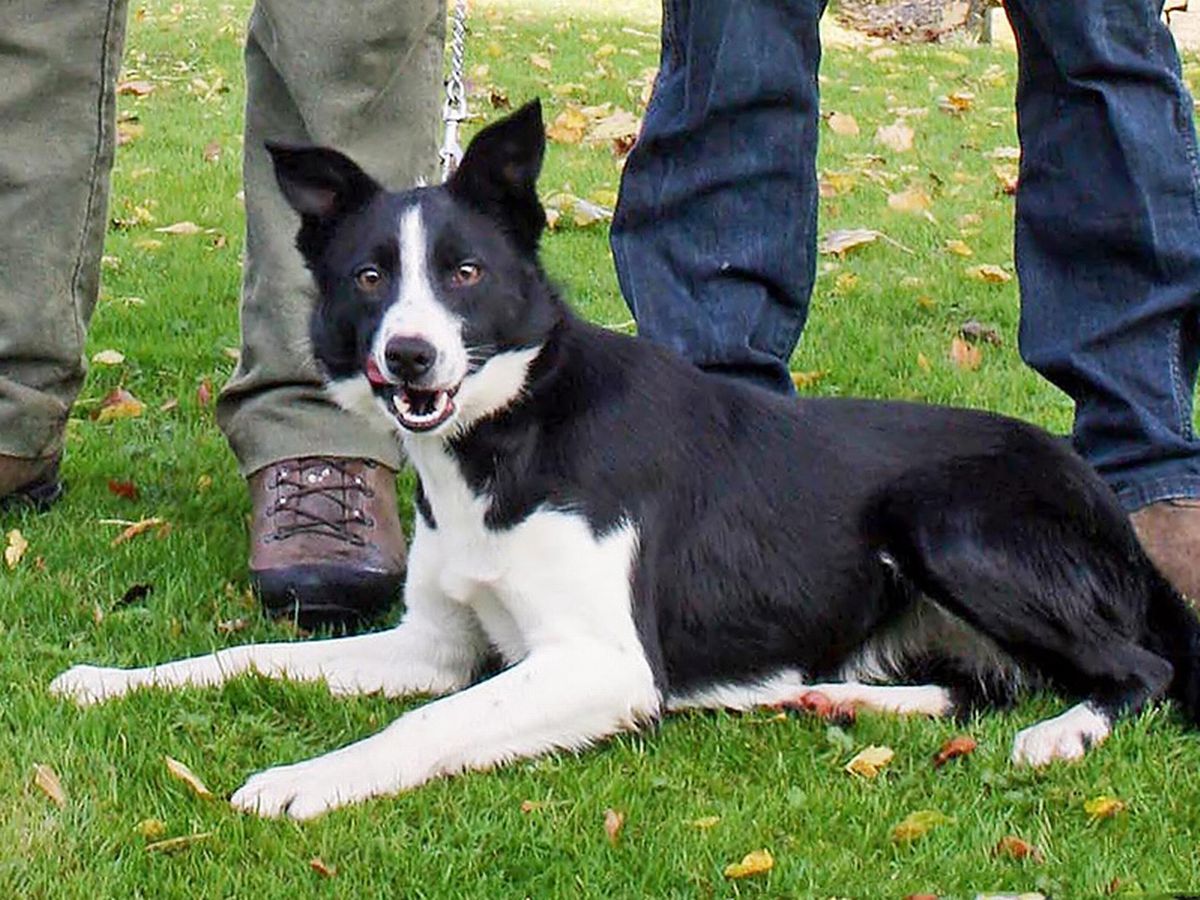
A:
[775,784]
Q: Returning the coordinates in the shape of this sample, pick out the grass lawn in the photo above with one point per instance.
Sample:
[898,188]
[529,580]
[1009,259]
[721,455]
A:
[883,320]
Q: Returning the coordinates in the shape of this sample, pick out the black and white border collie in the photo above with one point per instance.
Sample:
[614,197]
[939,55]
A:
[630,536]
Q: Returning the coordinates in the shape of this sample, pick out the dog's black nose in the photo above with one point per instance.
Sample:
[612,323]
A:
[409,358]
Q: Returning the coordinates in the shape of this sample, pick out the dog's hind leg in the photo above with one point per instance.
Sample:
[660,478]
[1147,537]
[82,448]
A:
[790,687]
[435,649]
[1041,560]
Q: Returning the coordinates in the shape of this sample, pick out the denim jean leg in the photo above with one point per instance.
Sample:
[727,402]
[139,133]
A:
[714,234]
[1108,236]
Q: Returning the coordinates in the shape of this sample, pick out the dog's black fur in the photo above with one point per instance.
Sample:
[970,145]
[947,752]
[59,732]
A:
[774,533]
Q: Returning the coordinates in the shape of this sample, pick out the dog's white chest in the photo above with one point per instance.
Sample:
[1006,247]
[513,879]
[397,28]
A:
[547,578]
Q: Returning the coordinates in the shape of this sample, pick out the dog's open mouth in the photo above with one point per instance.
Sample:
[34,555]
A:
[415,408]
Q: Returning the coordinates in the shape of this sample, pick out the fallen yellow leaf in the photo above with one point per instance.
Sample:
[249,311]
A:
[917,824]
[897,137]
[319,866]
[957,102]
[187,776]
[964,354]
[923,362]
[175,844]
[14,548]
[1103,807]
[914,201]
[843,240]
[959,248]
[843,124]
[569,126]
[870,761]
[119,404]
[613,822]
[151,829]
[48,783]
[538,61]
[139,527]
[990,273]
[754,863]
[704,822]
[108,358]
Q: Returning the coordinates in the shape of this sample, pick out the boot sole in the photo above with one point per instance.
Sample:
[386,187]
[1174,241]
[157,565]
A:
[315,596]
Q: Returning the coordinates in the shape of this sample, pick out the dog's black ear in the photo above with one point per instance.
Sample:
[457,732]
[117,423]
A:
[498,174]
[320,183]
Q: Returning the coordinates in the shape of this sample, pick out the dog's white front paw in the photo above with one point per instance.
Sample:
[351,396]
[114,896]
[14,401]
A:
[86,685]
[1064,737]
[308,789]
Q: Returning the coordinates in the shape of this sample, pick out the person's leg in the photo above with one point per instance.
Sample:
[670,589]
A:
[58,70]
[1108,251]
[714,235]
[363,78]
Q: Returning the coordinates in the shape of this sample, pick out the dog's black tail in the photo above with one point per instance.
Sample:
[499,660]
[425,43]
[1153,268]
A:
[1173,632]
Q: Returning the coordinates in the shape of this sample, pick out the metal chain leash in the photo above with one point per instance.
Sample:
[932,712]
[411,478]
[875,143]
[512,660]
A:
[455,110]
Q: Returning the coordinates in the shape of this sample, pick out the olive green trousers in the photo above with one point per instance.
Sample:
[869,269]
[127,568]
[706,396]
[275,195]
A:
[361,76]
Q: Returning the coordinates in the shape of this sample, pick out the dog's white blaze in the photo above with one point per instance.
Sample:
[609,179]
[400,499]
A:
[790,685]
[1067,736]
[417,312]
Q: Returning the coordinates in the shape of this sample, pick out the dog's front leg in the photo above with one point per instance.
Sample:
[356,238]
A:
[563,697]
[435,649]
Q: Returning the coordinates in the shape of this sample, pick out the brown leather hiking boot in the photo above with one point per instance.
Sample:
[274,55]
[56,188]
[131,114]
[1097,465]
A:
[1170,534]
[29,482]
[325,542]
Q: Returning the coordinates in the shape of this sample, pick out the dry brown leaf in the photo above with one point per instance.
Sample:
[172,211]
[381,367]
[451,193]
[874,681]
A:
[569,126]
[1015,848]
[1103,807]
[322,868]
[988,272]
[14,548]
[204,392]
[913,201]
[125,489]
[129,131]
[139,527]
[212,152]
[923,363]
[965,355]
[1007,177]
[957,102]
[540,61]
[976,332]
[47,781]
[169,405]
[528,806]
[808,379]
[119,404]
[108,357]
[897,137]
[754,863]
[614,820]
[704,822]
[187,776]
[619,125]
[180,228]
[175,844]
[959,248]
[870,761]
[843,124]
[138,88]
[843,240]
[917,824]
[834,184]
[959,745]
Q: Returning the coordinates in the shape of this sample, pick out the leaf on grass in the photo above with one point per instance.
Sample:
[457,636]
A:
[975,331]
[988,272]
[540,61]
[620,125]
[108,358]
[1008,177]
[137,88]
[232,626]
[704,822]
[959,248]
[180,228]
[187,776]
[169,405]
[614,820]
[819,704]
[923,363]
[528,806]
[808,379]
[126,489]
[965,355]
[843,240]
[959,745]
[140,527]
[151,829]
[48,783]
[897,137]
[913,201]
[870,761]
[14,548]
[843,124]
[957,102]
[212,152]
[834,184]
[1015,848]
[1007,153]
[175,844]
[580,212]
[204,392]
[128,131]
[917,824]
[322,868]
[569,126]
[754,863]
[1103,807]
[119,404]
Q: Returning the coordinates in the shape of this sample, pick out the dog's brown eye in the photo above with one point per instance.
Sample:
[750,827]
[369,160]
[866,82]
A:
[466,274]
[368,278]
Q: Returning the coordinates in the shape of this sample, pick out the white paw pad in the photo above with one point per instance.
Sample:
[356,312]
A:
[1064,737]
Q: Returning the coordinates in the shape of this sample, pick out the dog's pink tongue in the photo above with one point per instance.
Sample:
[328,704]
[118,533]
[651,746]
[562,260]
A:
[373,374]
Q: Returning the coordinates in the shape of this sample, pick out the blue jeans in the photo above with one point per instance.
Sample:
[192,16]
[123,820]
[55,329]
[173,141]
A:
[714,233]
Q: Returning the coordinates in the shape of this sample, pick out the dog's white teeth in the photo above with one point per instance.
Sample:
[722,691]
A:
[404,407]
